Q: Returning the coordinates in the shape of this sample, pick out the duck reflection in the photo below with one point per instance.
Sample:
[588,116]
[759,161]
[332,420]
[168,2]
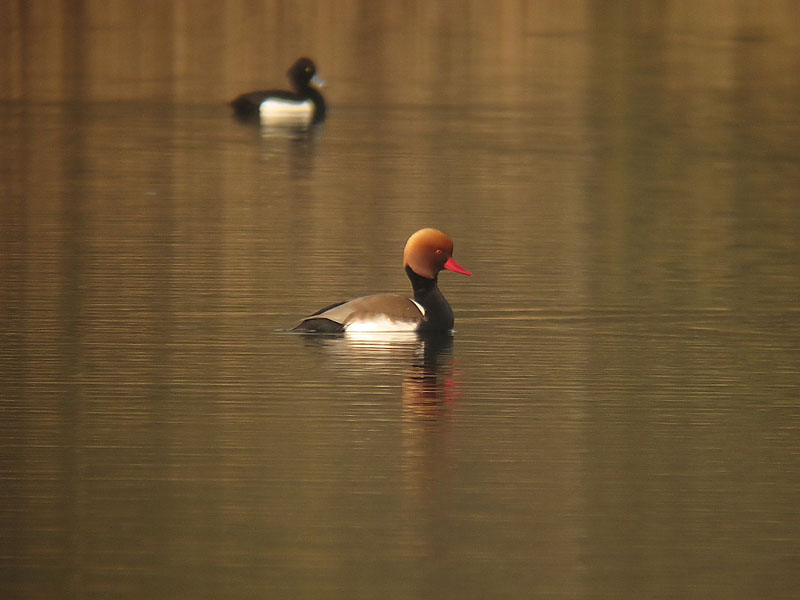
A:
[429,391]
[366,353]
[287,131]
[281,131]
[428,386]
[425,362]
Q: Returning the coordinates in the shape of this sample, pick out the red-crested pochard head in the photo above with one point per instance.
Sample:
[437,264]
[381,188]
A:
[428,251]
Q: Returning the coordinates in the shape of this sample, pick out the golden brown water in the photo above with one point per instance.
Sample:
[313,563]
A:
[617,415]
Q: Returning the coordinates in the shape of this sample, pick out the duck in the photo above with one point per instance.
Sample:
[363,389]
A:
[427,252]
[304,105]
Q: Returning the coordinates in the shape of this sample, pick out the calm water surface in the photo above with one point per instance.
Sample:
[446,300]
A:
[616,416]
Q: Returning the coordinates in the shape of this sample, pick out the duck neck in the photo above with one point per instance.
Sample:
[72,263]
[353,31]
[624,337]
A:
[438,314]
[306,90]
[319,104]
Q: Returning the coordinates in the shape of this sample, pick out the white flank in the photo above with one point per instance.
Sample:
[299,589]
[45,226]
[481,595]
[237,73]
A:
[379,324]
[383,324]
[289,110]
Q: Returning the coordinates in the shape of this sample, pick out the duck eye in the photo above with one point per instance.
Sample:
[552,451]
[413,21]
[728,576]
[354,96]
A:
[438,251]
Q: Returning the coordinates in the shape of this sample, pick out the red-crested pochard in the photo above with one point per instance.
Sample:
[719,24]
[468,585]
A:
[427,252]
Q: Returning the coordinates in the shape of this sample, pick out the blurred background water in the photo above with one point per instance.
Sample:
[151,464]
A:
[617,415]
